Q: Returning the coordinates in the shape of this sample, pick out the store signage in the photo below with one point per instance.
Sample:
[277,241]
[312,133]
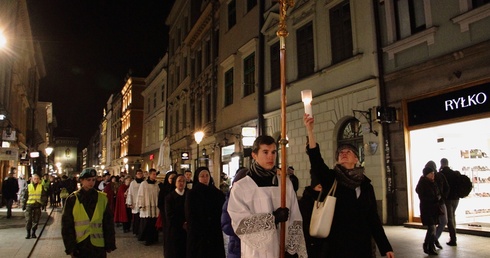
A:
[184,155]
[455,104]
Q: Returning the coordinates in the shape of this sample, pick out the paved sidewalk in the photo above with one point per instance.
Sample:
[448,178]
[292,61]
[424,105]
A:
[12,233]
[407,242]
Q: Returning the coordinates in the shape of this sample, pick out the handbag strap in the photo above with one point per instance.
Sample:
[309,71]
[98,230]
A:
[333,188]
[331,192]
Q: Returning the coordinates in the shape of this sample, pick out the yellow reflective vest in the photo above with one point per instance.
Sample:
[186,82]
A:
[34,193]
[93,228]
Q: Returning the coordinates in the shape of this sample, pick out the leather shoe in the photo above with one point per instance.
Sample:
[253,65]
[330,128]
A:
[451,243]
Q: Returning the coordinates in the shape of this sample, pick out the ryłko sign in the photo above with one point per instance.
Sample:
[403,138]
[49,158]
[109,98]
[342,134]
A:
[454,104]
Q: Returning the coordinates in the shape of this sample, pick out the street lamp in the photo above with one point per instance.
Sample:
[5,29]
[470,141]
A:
[198,137]
[48,151]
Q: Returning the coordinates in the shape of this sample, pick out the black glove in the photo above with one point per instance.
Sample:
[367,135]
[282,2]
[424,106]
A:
[23,208]
[287,255]
[281,215]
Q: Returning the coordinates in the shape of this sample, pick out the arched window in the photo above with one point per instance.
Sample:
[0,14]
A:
[351,132]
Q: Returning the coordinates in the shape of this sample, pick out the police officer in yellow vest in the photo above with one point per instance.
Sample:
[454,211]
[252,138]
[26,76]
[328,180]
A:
[87,224]
[33,198]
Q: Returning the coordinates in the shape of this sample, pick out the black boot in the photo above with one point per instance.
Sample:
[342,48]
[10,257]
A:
[436,243]
[431,249]
[426,250]
[33,235]
[28,234]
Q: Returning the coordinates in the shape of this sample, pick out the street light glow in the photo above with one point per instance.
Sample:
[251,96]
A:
[198,136]
[3,40]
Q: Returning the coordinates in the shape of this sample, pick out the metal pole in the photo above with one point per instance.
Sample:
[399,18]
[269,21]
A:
[282,33]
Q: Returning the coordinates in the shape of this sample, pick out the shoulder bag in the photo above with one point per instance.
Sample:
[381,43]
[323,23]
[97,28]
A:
[322,214]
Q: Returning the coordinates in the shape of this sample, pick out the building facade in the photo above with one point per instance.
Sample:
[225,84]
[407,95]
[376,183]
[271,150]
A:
[437,75]
[21,68]
[192,86]
[155,99]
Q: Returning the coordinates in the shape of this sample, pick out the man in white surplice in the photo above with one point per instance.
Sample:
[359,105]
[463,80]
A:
[254,207]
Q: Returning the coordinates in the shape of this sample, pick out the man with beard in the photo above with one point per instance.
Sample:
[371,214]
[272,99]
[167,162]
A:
[87,223]
[147,203]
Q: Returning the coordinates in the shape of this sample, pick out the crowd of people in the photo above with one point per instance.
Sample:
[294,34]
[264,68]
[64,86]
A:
[193,211]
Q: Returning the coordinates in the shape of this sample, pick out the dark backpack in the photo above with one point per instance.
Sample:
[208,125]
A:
[464,186]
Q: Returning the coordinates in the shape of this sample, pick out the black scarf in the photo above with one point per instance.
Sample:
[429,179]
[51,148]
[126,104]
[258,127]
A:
[261,176]
[351,178]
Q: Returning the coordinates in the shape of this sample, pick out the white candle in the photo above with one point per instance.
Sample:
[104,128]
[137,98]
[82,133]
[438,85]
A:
[306,97]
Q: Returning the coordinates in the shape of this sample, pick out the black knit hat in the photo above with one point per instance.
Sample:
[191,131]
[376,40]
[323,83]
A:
[427,170]
[346,146]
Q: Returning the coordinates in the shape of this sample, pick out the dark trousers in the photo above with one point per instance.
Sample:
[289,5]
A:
[451,206]
[136,224]
[430,236]
[148,231]
[32,215]
[127,225]
[10,202]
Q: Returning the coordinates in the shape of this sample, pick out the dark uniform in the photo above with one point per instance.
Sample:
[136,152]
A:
[86,248]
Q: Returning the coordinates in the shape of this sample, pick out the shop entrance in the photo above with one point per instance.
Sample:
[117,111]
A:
[467,147]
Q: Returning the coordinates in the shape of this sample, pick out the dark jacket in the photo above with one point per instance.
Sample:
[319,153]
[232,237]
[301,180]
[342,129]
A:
[10,188]
[203,215]
[452,180]
[234,246]
[314,245]
[442,184]
[356,220]
[430,197]
[176,240]
[85,248]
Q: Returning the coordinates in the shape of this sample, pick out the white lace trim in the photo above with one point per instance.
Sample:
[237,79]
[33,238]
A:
[295,241]
[257,230]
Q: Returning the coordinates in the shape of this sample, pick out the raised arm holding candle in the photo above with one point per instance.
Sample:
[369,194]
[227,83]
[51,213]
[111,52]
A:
[307,97]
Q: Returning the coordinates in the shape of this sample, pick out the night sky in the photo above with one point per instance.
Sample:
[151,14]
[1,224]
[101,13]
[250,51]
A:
[89,46]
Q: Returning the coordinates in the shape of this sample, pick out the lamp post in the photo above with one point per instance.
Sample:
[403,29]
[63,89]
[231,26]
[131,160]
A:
[198,137]
[48,151]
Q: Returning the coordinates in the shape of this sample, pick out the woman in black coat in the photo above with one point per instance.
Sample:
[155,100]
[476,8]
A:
[356,220]
[429,196]
[203,215]
[175,226]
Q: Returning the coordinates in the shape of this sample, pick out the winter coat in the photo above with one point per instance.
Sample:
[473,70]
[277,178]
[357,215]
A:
[176,235]
[452,180]
[10,187]
[120,214]
[85,248]
[356,221]
[234,241]
[313,245]
[430,197]
[203,214]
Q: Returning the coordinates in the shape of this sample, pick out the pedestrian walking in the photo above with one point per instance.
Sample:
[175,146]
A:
[452,199]
[131,199]
[429,196]
[34,198]
[87,223]
[355,221]
[10,187]
[147,203]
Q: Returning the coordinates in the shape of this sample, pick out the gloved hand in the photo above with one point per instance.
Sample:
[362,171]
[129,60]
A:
[23,208]
[281,215]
